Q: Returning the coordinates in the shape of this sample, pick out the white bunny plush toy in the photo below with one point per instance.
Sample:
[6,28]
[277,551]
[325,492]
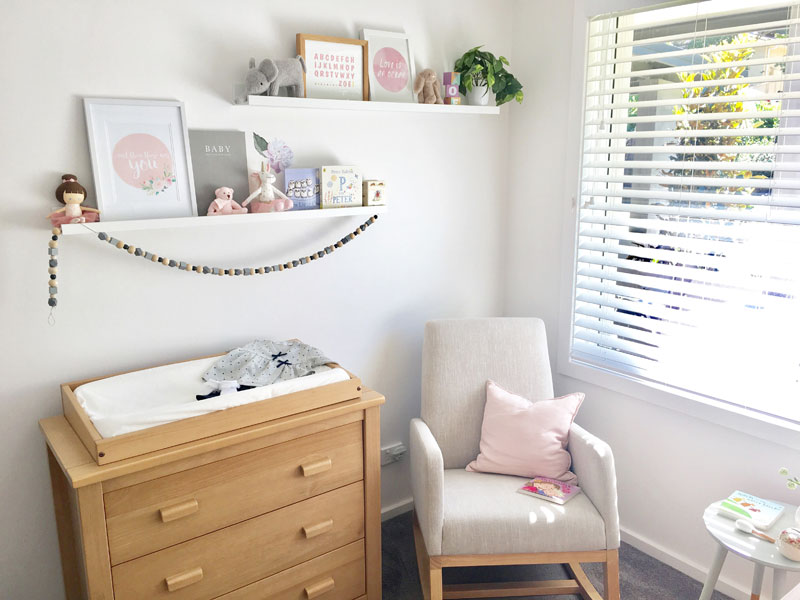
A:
[267,192]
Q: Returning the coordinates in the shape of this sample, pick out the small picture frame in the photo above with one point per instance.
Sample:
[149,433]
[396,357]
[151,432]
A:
[140,158]
[390,65]
[336,68]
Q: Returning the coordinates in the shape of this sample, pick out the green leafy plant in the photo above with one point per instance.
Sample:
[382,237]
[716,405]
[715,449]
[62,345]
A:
[791,482]
[478,67]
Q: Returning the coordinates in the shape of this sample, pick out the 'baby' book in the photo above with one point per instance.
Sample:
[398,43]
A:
[551,490]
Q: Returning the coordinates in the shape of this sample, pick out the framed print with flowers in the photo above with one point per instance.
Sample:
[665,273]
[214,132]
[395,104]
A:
[391,66]
[140,158]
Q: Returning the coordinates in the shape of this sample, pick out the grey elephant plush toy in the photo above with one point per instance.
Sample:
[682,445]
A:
[272,75]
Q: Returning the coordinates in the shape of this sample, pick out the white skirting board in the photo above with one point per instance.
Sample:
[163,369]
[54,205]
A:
[398,508]
[689,567]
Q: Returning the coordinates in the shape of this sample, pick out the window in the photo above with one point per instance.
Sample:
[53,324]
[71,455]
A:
[687,270]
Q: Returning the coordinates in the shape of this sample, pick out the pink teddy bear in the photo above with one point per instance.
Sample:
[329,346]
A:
[224,204]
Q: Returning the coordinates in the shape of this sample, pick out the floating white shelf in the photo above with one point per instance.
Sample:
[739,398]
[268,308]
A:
[325,104]
[180,222]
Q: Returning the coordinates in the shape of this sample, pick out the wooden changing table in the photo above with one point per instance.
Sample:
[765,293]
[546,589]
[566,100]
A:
[279,499]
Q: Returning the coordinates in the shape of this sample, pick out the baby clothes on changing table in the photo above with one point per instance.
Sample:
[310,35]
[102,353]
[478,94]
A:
[264,362]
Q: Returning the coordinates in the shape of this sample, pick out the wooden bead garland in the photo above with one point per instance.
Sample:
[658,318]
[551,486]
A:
[200,269]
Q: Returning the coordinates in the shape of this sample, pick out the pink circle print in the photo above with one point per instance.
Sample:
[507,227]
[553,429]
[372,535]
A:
[390,69]
[144,162]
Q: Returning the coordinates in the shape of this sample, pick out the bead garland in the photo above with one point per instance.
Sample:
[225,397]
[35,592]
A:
[52,269]
[201,269]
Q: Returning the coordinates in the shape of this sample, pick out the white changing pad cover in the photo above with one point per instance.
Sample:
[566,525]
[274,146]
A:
[160,395]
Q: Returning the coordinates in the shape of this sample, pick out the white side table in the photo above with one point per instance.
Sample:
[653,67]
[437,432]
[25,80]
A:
[760,552]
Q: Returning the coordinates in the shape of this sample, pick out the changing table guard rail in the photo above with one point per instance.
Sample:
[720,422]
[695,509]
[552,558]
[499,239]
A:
[160,437]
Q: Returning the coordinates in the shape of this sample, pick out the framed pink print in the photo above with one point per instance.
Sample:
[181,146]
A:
[140,158]
[391,66]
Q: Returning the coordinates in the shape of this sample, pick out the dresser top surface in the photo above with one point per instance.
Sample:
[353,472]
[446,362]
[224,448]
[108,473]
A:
[81,469]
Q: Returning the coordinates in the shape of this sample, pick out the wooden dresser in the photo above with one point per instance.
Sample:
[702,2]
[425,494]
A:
[287,509]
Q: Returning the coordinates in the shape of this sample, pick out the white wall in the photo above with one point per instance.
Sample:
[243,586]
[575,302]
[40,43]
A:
[669,465]
[435,254]
[443,250]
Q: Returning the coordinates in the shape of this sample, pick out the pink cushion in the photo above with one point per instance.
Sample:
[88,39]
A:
[524,438]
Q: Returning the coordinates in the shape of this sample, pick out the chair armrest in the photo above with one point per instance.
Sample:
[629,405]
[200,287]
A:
[427,484]
[593,463]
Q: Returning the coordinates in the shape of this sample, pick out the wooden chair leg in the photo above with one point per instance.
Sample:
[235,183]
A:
[611,575]
[423,561]
[586,589]
[436,581]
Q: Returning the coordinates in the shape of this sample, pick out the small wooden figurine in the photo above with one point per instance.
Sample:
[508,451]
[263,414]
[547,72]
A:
[71,194]
[267,192]
[224,204]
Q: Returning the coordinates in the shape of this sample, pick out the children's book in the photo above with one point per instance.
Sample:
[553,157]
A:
[340,186]
[762,513]
[218,159]
[551,490]
[302,186]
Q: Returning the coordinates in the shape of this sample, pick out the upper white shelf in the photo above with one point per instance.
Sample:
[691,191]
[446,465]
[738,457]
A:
[325,104]
[181,222]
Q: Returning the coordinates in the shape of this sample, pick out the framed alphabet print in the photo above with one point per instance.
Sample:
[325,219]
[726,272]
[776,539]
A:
[140,158]
[335,67]
[390,65]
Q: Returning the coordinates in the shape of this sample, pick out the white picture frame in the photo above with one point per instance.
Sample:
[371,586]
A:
[388,52]
[140,158]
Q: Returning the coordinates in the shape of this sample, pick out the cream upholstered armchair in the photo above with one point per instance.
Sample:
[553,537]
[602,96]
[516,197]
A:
[470,519]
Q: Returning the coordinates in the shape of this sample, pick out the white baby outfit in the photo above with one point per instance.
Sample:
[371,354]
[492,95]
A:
[263,362]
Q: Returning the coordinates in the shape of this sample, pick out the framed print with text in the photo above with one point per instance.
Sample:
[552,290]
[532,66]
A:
[336,68]
[390,65]
[140,158]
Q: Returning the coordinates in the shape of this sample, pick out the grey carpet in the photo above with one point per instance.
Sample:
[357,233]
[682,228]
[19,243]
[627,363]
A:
[641,576]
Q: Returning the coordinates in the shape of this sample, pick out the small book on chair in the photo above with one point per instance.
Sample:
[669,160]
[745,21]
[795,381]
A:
[549,489]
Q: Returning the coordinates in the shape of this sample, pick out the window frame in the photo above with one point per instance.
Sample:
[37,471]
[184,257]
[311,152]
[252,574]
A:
[767,427]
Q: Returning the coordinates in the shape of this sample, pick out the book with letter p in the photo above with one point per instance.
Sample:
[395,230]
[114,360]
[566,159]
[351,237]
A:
[549,489]
[762,513]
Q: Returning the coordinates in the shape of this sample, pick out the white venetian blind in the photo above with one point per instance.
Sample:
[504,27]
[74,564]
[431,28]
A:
[688,245]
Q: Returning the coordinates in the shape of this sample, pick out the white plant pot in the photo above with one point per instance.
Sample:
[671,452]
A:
[478,95]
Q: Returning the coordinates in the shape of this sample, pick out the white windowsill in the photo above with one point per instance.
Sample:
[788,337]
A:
[772,429]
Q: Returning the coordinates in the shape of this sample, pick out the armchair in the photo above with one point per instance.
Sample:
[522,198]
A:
[472,519]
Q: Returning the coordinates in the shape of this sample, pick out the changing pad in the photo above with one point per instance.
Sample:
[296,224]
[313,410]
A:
[151,397]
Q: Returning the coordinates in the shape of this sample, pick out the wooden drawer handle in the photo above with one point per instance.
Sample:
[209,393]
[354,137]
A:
[182,580]
[314,467]
[178,511]
[311,531]
[319,588]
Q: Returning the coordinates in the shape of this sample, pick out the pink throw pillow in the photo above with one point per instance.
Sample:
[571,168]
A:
[524,438]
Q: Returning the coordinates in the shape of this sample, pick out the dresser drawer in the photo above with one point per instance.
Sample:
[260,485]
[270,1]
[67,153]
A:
[337,575]
[225,560]
[156,514]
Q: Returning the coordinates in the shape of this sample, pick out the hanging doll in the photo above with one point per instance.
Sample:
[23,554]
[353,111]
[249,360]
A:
[72,194]
[266,193]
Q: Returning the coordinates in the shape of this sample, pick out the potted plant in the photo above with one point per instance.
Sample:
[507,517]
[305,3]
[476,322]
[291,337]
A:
[481,70]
